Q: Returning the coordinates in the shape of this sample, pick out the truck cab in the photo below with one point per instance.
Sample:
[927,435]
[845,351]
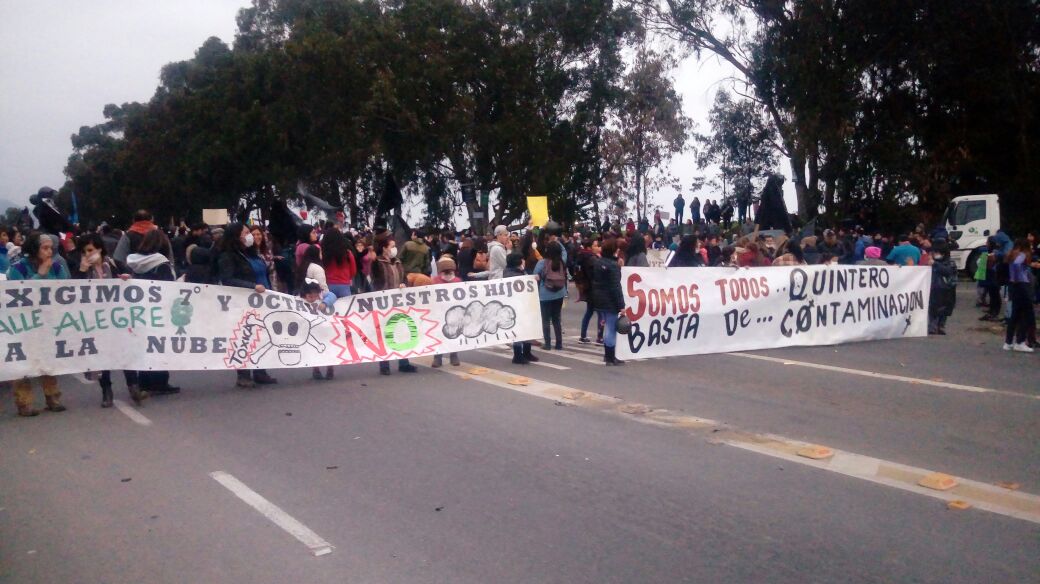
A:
[970,220]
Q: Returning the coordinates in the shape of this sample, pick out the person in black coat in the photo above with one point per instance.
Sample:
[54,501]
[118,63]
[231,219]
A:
[235,268]
[608,298]
[150,262]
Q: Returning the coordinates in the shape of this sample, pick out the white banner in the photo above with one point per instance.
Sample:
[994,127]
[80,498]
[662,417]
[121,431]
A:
[690,311]
[69,326]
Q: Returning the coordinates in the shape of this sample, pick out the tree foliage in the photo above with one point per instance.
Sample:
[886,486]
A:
[498,98]
[649,129]
[883,103]
[742,143]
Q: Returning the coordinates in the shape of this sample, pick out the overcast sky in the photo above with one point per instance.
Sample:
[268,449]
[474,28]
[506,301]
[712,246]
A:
[61,62]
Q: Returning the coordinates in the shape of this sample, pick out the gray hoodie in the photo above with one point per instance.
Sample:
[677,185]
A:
[496,262]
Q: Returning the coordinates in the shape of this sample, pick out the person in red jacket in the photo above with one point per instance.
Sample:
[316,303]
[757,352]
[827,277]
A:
[340,266]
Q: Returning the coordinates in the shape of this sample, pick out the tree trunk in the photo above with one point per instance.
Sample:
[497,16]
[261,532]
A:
[806,210]
[469,194]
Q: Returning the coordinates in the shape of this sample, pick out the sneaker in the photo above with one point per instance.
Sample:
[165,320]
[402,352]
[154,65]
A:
[408,368]
[164,390]
[584,340]
[599,341]
[1007,346]
[1021,348]
[546,347]
[316,375]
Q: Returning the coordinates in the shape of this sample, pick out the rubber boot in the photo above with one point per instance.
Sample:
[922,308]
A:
[106,395]
[137,395]
[527,354]
[518,355]
[612,360]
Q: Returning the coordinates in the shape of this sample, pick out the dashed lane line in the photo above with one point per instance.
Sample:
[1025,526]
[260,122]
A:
[886,376]
[131,413]
[1016,504]
[303,534]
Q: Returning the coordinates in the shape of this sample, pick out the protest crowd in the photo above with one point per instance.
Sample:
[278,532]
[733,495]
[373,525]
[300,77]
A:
[327,261]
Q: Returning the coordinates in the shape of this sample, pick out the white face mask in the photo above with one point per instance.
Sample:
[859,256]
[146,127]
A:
[393,252]
[248,240]
[534,246]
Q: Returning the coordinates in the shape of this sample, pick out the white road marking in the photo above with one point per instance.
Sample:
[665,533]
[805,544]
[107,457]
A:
[301,532]
[910,380]
[983,496]
[510,356]
[131,413]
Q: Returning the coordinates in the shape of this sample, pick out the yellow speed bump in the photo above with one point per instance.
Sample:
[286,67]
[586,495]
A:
[477,370]
[816,452]
[1009,486]
[519,381]
[572,395]
[958,505]
[938,481]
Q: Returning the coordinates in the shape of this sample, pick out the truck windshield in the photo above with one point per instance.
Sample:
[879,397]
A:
[965,212]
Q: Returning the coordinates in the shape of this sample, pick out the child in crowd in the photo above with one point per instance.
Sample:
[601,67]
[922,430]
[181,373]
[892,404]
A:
[311,292]
[446,274]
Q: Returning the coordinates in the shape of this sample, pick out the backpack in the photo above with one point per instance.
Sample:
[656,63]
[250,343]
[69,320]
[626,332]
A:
[555,280]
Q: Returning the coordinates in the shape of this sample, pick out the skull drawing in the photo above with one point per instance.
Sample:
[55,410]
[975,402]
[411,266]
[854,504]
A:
[289,331]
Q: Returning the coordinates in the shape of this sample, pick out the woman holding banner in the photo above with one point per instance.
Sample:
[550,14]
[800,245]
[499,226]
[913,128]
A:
[237,267]
[94,264]
[607,297]
[150,262]
[388,274]
[38,263]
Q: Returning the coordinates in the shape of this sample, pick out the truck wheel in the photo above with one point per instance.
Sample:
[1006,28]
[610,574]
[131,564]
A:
[973,262]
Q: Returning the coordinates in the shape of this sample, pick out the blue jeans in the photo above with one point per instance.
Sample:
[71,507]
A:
[340,290]
[609,327]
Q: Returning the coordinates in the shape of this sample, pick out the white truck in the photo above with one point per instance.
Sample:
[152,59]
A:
[970,220]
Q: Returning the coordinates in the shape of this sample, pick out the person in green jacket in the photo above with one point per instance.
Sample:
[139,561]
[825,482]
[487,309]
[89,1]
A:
[980,279]
[415,257]
[39,262]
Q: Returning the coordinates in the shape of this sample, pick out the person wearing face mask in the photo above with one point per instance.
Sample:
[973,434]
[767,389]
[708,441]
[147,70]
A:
[236,268]
[388,274]
[446,274]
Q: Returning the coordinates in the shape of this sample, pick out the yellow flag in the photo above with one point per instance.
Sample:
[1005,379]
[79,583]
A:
[539,208]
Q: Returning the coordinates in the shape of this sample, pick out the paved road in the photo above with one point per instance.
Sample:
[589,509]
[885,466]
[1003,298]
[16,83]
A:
[458,477]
